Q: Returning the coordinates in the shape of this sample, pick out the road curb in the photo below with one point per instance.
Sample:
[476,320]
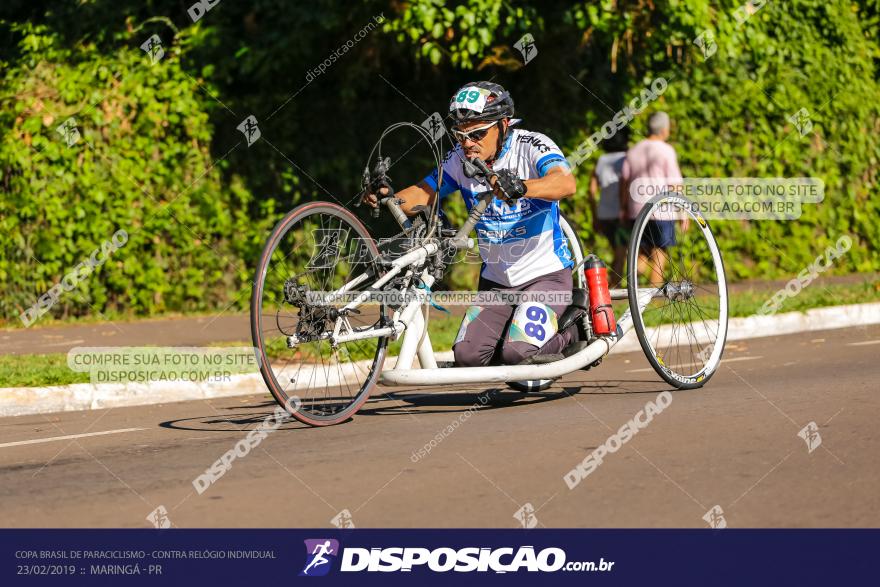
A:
[748,327]
[20,401]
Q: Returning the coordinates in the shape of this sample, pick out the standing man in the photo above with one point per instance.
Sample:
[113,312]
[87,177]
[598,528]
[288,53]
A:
[652,158]
[605,187]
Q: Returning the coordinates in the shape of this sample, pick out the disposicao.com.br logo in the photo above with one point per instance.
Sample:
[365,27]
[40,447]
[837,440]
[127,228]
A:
[444,559]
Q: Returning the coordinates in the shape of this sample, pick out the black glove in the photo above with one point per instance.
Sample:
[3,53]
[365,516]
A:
[511,185]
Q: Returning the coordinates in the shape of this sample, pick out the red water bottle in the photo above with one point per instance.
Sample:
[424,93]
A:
[600,297]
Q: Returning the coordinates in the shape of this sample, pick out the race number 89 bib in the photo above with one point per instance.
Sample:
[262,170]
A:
[471,98]
[533,323]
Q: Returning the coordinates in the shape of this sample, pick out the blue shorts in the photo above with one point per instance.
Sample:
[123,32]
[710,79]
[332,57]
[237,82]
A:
[659,234]
[615,231]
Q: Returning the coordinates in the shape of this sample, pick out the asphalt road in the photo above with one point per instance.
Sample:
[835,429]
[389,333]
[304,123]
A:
[733,444]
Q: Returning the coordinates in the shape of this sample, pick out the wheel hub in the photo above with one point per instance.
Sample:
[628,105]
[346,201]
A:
[679,292]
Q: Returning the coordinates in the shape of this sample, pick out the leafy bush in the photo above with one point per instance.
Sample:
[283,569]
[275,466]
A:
[730,111]
[160,156]
[141,164]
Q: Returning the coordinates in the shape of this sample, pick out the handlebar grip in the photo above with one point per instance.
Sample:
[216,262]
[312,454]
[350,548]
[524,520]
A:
[381,199]
[393,205]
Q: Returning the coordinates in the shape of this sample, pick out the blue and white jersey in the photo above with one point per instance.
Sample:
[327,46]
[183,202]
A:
[522,241]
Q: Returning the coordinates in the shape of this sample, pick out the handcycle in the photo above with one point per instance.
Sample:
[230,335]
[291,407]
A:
[328,299]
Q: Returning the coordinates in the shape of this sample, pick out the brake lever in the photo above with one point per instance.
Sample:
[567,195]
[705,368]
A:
[481,165]
[475,166]
[365,186]
[382,166]
[470,170]
[378,181]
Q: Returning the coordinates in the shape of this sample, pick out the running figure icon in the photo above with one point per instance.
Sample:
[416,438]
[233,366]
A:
[318,554]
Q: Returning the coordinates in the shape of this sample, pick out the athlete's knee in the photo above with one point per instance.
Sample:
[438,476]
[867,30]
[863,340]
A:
[513,353]
[469,349]
[468,354]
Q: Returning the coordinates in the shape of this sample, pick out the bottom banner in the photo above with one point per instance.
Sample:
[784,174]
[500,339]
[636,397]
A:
[383,557]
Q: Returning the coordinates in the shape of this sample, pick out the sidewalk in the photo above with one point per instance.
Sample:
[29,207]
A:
[198,331]
[230,327]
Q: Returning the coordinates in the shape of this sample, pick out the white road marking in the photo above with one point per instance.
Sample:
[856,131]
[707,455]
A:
[63,342]
[68,437]
[863,343]
[733,360]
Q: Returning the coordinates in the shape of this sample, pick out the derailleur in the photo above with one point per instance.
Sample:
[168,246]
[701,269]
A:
[313,318]
[295,294]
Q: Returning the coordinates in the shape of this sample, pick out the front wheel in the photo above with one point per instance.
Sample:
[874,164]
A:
[677,291]
[317,253]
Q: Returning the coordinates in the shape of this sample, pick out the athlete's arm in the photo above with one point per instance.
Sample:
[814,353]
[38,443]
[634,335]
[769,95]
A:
[558,184]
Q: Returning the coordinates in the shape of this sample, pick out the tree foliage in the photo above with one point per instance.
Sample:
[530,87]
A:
[161,156]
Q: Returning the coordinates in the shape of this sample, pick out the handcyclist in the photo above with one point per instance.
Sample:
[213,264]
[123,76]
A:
[520,239]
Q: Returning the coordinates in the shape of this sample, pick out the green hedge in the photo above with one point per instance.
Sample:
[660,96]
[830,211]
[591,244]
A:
[151,134]
[730,118]
[142,164]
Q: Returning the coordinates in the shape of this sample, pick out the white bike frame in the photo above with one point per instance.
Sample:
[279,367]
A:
[409,322]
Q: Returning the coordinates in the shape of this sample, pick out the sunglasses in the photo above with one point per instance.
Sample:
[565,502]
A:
[476,134]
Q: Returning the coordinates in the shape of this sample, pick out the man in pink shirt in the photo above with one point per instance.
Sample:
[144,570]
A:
[651,158]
